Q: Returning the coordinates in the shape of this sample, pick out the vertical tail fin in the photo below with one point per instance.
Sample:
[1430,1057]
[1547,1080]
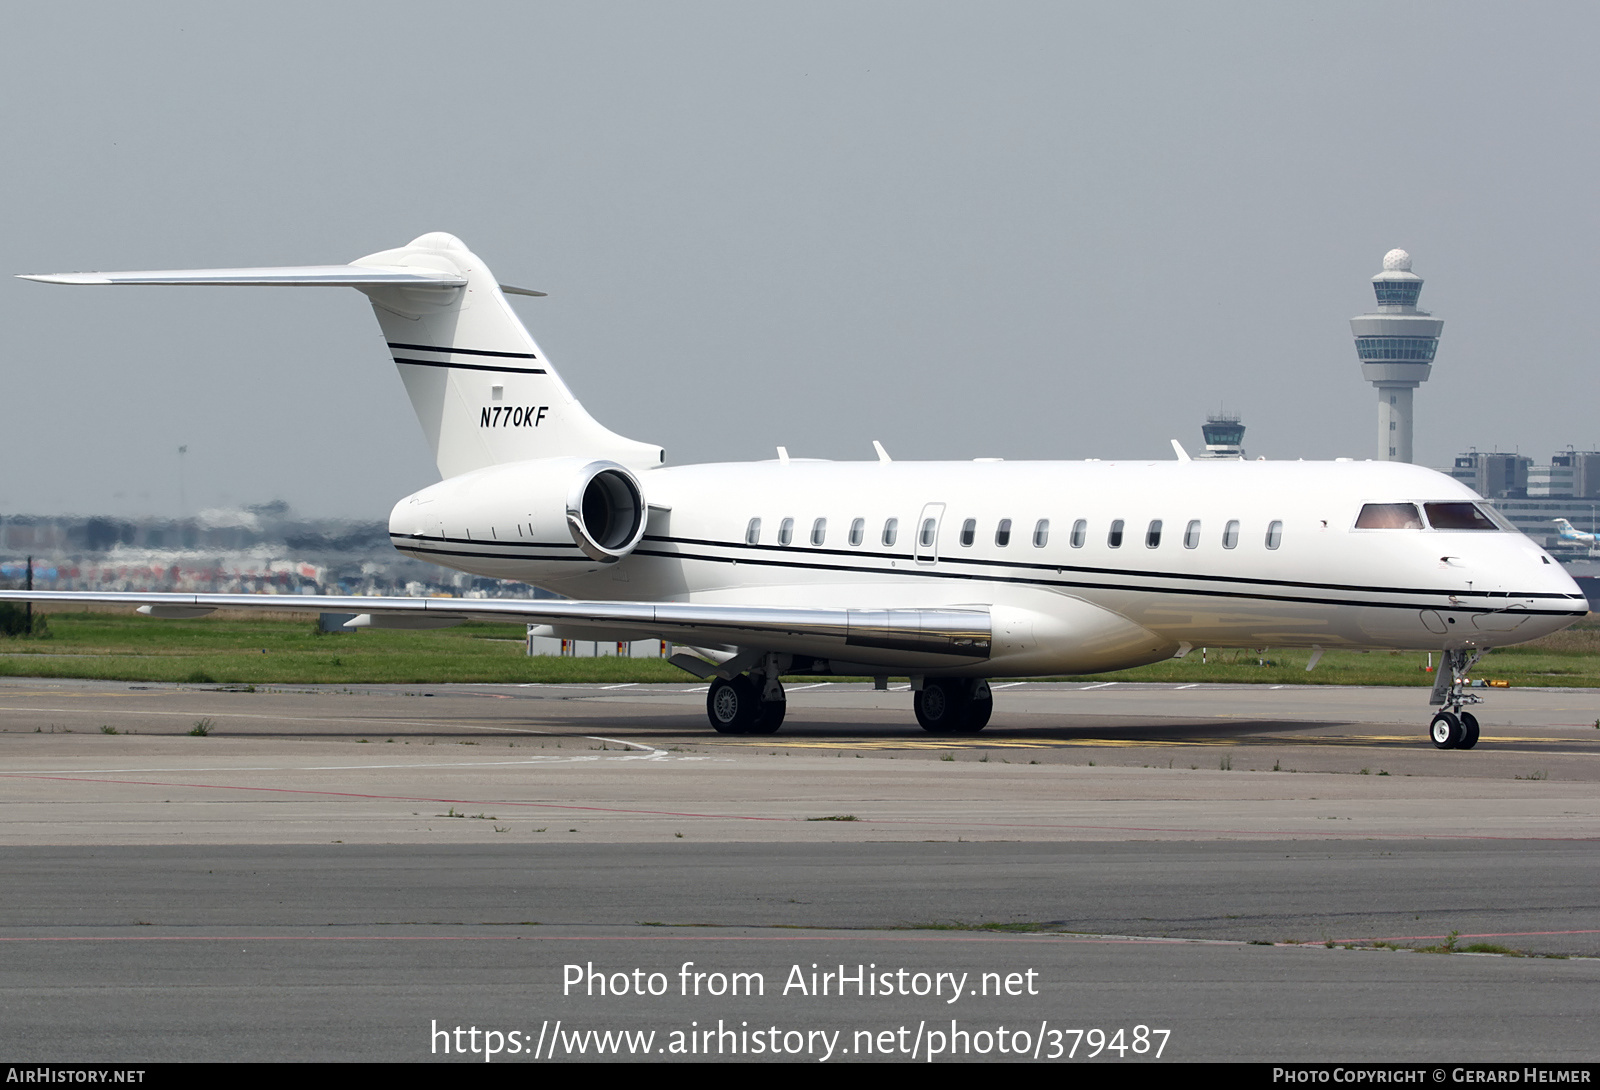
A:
[482,390]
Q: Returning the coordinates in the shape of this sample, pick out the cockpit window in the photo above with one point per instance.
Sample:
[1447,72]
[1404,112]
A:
[1457,516]
[1391,516]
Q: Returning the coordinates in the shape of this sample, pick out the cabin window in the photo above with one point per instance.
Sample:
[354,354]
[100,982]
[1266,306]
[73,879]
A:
[1191,535]
[858,530]
[891,530]
[1457,516]
[785,531]
[927,532]
[1152,536]
[1080,531]
[819,531]
[969,532]
[1230,534]
[752,533]
[1002,533]
[1114,538]
[1389,516]
[1041,533]
[1274,535]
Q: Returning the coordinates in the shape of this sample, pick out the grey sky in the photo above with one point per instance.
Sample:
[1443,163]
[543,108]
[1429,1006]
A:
[1018,230]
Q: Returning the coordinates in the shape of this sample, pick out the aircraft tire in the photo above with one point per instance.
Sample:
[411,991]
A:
[1469,731]
[770,717]
[733,706]
[1445,731]
[976,717]
[941,706]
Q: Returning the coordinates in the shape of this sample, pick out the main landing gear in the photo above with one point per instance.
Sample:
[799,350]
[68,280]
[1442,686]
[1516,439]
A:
[1453,728]
[746,704]
[754,703]
[948,705]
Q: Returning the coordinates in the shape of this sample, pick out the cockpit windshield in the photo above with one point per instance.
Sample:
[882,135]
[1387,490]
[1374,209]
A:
[1441,516]
[1389,516]
[1458,516]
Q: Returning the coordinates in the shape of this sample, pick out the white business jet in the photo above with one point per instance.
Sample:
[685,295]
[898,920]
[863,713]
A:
[950,573]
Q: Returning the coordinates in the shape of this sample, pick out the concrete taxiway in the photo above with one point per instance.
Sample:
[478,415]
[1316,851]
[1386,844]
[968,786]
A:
[336,835]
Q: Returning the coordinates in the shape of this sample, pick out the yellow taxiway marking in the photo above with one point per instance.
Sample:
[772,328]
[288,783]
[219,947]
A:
[971,743]
[963,743]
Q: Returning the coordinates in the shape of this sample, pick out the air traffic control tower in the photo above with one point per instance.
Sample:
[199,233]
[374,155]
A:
[1396,345]
[1224,434]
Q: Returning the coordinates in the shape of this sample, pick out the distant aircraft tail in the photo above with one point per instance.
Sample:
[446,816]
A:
[481,388]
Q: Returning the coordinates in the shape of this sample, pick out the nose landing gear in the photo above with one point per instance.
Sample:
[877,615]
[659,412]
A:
[1453,728]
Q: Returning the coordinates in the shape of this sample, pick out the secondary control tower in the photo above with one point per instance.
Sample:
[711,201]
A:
[1396,344]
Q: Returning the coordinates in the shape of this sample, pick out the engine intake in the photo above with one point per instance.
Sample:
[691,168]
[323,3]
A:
[605,511]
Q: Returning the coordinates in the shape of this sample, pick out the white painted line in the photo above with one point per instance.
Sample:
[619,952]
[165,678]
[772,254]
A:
[650,751]
[624,685]
[803,688]
[1006,685]
[1191,685]
[1098,685]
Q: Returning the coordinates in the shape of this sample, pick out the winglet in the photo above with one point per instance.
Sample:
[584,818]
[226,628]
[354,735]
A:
[883,455]
[1183,455]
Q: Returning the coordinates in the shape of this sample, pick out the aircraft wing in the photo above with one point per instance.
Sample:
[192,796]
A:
[866,636]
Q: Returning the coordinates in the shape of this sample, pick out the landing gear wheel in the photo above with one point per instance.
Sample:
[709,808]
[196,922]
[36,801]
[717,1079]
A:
[977,717]
[946,706]
[1446,731]
[770,717]
[1469,731]
[938,706]
[980,705]
[733,706]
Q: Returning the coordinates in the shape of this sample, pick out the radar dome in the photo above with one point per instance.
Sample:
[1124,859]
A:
[1396,261]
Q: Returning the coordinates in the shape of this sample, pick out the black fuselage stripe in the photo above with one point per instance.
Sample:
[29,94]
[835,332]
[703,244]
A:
[1067,584]
[1129,573]
[462,351]
[396,538]
[1076,585]
[486,556]
[471,366]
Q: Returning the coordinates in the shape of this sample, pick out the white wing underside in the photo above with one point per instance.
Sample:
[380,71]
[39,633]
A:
[892,637]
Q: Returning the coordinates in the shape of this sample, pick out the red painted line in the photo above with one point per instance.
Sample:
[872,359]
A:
[1484,935]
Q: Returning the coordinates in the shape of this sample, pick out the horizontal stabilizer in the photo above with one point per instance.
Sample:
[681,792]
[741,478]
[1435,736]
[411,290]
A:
[462,352]
[298,276]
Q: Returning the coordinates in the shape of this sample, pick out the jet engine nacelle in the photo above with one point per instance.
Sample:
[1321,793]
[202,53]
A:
[525,520]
